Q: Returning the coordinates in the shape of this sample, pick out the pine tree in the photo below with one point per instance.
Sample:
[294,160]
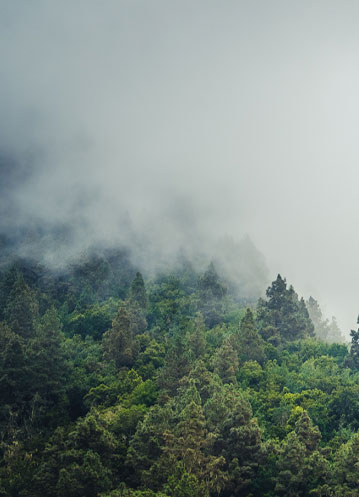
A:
[211,297]
[118,342]
[21,310]
[301,467]
[307,434]
[186,445]
[49,370]
[138,292]
[188,439]
[346,475]
[146,448]
[353,359]
[237,438]
[334,332]
[285,312]
[247,341]
[225,362]
[176,366]
[15,383]
[315,313]
[196,339]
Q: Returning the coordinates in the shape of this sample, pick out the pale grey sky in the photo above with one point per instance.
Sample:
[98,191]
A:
[193,117]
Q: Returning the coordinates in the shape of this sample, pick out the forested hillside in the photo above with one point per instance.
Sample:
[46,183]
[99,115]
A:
[113,385]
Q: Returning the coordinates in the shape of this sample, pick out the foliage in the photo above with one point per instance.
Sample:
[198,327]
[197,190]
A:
[112,385]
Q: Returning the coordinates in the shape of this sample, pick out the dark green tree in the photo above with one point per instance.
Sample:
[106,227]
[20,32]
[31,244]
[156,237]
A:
[78,462]
[248,342]
[21,310]
[146,448]
[118,342]
[49,371]
[176,366]
[138,292]
[15,384]
[285,312]
[237,438]
[353,359]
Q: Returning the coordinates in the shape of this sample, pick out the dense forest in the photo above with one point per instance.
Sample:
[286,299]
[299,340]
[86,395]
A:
[115,384]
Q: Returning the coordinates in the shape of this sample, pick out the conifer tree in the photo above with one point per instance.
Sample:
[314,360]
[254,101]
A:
[346,475]
[176,366]
[118,343]
[237,438]
[186,445]
[188,439]
[285,312]
[22,308]
[247,341]
[146,448]
[211,294]
[196,339]
[49,369]
[315,313]
[353,359]
[138,292]
[225,362]
[307,433]
[302,469]
[15,382]
[334,332]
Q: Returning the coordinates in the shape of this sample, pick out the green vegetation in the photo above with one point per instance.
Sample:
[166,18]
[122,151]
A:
[114,386]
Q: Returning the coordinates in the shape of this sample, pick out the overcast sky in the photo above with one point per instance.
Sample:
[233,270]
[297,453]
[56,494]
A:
[193,117]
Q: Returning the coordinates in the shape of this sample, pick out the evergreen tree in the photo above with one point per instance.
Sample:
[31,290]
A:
[118,342]
[353,359]
[211,297]
[21,310]
[334,332]
[346,475]
[324,330]
[320,324]
[247,341]
[176,366]
[146,448]
[138,292]
[78,462]
[49,371]
[285,312]
[236,437]
[15,383]
[302,467]
[308,434]
[225,362]
[196,339]
[187,441]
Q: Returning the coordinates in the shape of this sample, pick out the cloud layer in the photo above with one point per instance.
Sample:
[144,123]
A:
[186,122]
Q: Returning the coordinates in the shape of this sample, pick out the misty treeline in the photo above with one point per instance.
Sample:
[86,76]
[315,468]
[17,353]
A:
[114,385]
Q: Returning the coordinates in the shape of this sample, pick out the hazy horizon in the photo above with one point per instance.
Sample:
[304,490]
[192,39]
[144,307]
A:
[189,122]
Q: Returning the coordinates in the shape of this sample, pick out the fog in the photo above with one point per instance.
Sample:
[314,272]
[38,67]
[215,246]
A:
[182,122]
